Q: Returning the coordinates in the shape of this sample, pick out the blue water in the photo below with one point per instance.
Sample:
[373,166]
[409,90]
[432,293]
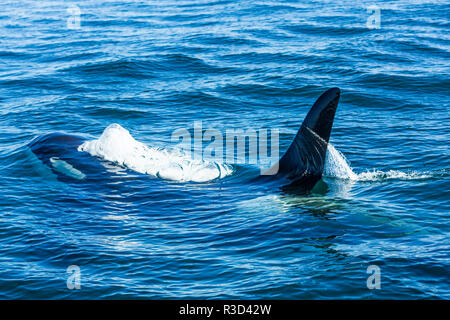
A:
[157,66]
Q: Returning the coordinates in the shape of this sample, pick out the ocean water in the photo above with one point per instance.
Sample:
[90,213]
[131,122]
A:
[162,226]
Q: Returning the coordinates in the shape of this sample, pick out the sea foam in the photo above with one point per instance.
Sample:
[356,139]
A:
[118,146]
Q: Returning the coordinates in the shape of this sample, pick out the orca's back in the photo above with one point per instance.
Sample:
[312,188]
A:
[58,151]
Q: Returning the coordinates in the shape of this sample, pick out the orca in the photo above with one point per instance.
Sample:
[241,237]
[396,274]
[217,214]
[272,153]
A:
[300,168]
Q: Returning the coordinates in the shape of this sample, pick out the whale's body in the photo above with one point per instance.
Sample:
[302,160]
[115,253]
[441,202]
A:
[300,168]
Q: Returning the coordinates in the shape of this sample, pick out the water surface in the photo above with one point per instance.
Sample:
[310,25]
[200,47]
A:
[153,67]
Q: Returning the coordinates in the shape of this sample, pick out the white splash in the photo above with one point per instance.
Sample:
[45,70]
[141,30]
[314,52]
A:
[375,175]
[337,166]
[118,146]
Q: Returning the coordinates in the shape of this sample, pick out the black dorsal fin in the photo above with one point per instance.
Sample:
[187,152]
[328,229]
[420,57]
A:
[305,158]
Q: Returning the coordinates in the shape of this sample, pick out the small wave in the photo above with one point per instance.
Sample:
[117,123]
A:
[118,146]
[122,68]
[337,166]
